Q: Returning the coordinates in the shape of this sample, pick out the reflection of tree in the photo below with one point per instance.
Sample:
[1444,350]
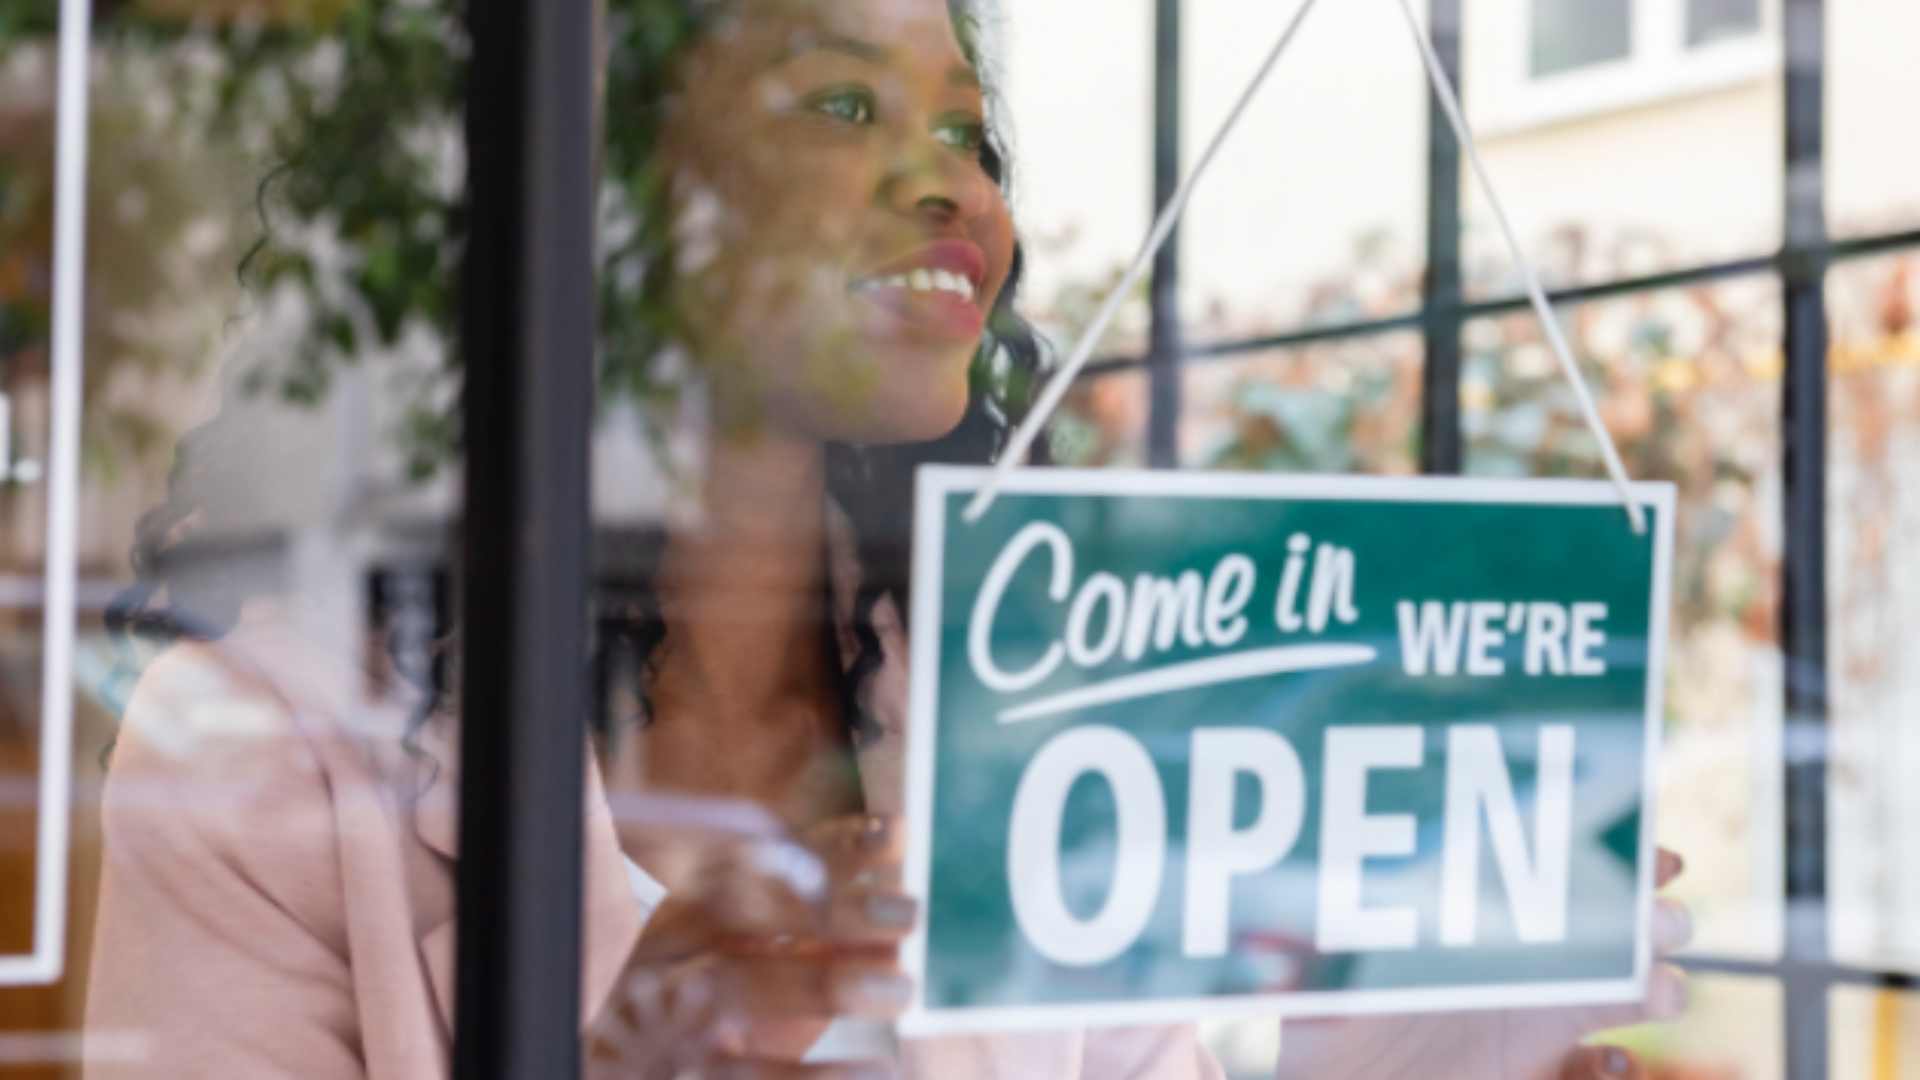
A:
[340,123]
[1328,408]
[1102,423]
[1687,386]
[1874,595]
[161,240]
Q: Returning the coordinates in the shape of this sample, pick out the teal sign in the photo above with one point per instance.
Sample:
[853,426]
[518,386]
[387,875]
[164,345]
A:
[1189,745]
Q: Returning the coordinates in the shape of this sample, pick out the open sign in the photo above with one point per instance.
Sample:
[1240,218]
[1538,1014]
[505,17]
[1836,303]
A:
[1186,745]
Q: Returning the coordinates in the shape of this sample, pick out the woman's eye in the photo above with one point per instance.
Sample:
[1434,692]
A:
[962,135]
[848,106]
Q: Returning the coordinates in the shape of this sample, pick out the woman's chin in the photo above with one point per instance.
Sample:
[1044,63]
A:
[920,422]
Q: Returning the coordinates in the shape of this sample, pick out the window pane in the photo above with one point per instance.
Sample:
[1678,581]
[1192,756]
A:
[1668,162]
[1874,610]
[1732,1029]
[1569,34]
[1314,212]
[1873,1032]
[1349,406]
[1082,127]
[1103,422]
[1688,382]
[1873,148]
[267,497]
[1716,20]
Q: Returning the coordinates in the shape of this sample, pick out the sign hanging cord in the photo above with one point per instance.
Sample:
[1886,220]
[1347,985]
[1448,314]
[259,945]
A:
[1015,453]
[1022,441]
[1450,103]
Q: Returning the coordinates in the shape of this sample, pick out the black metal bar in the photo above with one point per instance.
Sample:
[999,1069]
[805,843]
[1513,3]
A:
[1868,246]
[1840,251]
[1803,618]
[1311,335]
[1904,981]
[527,326]
[1467,312]
[1671,279]
[1164,349]
[1441,451]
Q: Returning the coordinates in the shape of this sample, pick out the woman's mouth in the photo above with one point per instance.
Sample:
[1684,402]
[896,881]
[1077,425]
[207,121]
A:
[936,288]
[920,281]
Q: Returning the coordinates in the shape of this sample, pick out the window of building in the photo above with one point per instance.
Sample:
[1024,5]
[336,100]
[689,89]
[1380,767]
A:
[1717,20]
[1573,34]
[1538,62]
[1789,805]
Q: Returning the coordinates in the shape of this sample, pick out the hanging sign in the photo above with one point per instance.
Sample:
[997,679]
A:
[1189,745]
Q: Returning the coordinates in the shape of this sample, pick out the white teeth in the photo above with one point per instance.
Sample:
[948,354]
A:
[921,281]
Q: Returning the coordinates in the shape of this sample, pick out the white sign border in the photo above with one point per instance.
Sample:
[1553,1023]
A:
[938,483]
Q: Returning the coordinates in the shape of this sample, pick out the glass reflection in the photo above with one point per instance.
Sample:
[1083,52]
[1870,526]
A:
[1688,383]
[1350,406]
[1873,159]
[1314,213]
[1873,1032]
[809,286]
[1103,422]
[1874,451]
[1641,152]
[1731,1032]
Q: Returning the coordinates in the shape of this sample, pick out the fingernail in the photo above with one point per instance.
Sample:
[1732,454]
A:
[892,910]
[1671,994]
[1614,1063]
[876,992]
[1677,928]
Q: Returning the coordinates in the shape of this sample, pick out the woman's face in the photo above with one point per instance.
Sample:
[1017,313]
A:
[839,244]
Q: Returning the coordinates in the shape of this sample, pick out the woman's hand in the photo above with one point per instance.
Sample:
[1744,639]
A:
[740,974]
[1517,1044]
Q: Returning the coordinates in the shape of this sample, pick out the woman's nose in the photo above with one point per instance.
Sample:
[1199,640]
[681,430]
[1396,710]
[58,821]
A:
[932,180]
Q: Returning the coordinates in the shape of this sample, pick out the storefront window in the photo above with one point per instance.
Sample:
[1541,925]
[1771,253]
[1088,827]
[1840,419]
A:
[1313,215]
[1876,356]
[1873,159]
[1586,152]
[357,354]
[1688,383]
[1350,407]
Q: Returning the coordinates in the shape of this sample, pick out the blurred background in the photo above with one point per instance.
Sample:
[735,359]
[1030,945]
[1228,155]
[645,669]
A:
[1338,301]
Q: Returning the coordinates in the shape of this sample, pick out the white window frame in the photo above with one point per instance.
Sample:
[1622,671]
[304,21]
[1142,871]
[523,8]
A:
[1507,96]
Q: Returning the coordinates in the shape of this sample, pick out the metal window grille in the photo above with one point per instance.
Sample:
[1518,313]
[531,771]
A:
[530,171]
[1805,971]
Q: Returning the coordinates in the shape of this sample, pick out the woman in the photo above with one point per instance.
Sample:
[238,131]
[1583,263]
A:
[843,269]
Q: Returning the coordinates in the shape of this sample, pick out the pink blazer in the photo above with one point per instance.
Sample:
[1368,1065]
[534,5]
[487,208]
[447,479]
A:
[277,896]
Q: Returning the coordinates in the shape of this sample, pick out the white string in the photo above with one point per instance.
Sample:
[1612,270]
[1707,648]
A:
[1022,441]
[1450,103]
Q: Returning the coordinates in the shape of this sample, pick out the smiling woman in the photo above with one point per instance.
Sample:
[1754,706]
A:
[823,244]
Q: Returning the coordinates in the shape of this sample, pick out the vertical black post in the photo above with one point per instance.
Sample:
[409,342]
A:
[527,336]
[1440,449]
[1803,628]
[1163,361]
